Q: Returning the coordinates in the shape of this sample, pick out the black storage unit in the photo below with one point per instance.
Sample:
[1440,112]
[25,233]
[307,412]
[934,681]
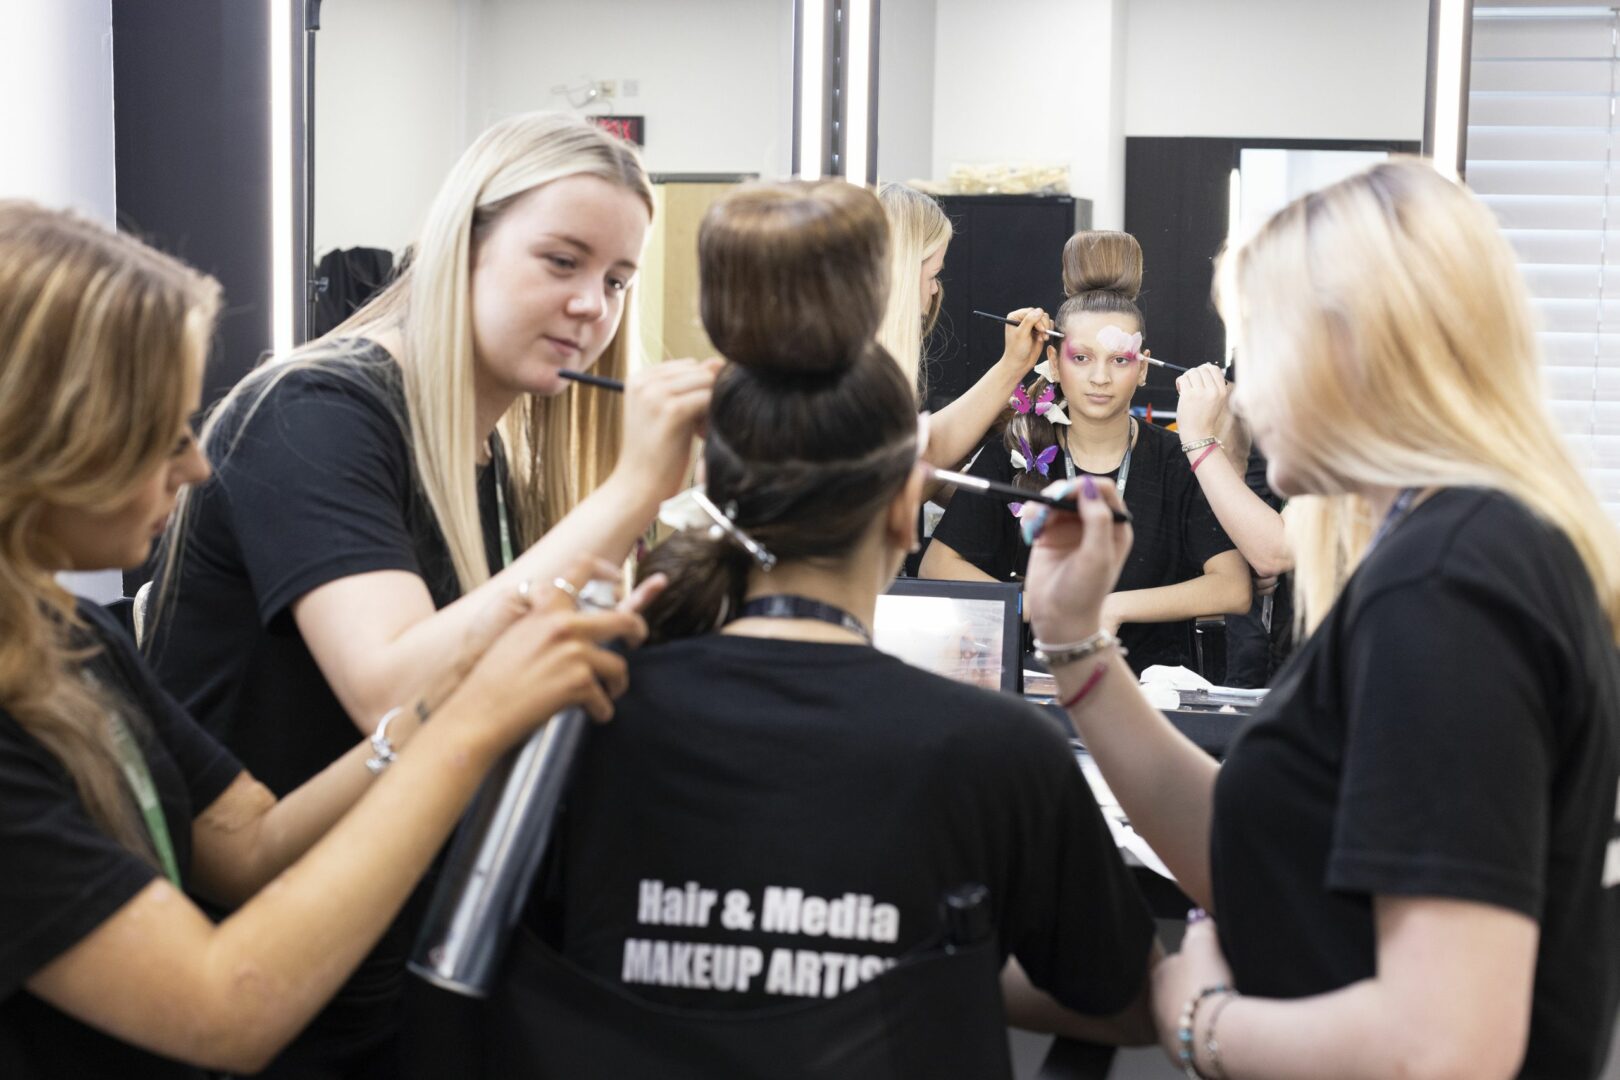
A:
[1007,253]
[1176,206]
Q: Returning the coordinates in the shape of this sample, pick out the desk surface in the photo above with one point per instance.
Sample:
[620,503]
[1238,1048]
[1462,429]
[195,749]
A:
[1210,730]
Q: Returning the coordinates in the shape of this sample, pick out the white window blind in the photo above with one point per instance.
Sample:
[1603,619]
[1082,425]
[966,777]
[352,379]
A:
[1541,152]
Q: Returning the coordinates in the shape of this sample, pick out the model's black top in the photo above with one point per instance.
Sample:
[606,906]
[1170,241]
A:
[1175,534]
[315,485]
[767,820]
[1451,730]
[64,876]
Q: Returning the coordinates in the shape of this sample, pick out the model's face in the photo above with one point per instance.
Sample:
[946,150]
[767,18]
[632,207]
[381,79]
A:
[120,536]
[931,267]
[549,281]
[1098,383]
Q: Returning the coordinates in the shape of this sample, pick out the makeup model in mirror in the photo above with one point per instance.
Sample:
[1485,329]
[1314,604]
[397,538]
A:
[403,86]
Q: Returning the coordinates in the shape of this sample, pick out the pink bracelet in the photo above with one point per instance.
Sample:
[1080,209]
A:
[1087,687]
[1199,460]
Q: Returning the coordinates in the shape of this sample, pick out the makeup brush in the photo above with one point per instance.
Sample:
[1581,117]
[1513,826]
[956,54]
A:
[1014,322]
[979,485]
[592,380]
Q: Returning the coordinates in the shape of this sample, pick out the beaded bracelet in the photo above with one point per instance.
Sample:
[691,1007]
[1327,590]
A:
[1213,1047]
[1184,1029]
[1074,651]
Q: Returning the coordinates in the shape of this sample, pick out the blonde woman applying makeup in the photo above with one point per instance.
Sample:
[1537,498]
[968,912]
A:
[375,488]
[1413,849]
[919,233]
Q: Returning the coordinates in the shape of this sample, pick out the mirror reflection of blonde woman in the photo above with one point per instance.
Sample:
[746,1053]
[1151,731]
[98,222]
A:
[374,489]
[919,233]
[1412,851]
[115,806]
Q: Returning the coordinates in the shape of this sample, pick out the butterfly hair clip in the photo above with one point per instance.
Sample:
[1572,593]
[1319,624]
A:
[1030,461]
[1045,406]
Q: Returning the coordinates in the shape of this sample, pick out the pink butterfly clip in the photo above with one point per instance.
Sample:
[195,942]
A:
[1022,405]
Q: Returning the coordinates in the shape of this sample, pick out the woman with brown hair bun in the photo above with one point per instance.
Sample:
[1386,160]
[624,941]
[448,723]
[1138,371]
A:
[1076,420]
[765,748]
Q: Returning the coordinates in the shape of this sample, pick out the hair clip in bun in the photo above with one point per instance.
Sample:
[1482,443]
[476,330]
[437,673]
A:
[693,509]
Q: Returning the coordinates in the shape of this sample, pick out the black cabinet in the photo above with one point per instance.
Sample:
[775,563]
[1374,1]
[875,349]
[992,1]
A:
[1007,253]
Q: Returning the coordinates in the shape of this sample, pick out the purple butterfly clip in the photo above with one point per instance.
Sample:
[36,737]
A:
[1033,462]
[1023,406]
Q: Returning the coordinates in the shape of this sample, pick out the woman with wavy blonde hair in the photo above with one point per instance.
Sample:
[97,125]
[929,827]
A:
[372,488]
[919,233]
[113,802]
[1413,848]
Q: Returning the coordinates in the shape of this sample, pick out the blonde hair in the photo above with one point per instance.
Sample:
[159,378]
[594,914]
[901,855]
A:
[918,228]
[103,342]
[559,448]
[1388,311]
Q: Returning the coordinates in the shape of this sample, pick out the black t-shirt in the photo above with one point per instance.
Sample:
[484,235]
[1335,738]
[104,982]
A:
[317,485]
[1176,533]
[777,820]
[64,876]
[1453,730]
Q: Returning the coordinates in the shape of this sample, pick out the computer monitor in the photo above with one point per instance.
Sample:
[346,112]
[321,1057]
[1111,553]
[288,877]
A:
[970,631]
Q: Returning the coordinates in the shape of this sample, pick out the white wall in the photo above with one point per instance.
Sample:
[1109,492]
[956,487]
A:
[56,131]
[56,103]
[715,77]
[404,86]
[1033,81]
[1277,68]
[391,115]
[906,90]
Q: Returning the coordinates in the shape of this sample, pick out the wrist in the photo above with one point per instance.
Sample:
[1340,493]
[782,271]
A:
[633,489]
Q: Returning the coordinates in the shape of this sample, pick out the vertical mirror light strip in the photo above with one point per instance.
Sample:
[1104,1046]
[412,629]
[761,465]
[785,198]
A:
[812,69]
[1451,33]
[1234,223]
[282,300]
[858,98]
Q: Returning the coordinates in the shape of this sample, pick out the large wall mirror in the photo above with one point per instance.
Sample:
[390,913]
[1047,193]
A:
[402,87]
[1180,121]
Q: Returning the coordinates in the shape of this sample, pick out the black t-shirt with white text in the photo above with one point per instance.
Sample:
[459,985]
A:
[318,484]
[1452,729]
[1175,534]
[64,876]
[769,820]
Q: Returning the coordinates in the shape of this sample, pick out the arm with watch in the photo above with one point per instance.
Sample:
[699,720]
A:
[1453,984]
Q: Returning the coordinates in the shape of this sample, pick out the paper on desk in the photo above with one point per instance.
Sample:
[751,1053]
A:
[1172,687]
[1125,837]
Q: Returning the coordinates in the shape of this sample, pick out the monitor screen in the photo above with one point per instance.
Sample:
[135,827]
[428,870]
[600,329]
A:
[964,630]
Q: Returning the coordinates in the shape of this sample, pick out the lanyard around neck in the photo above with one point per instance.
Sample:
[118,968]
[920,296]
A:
[497,462]
[139,775]
[1397,513]
[786,606]
[1124,462]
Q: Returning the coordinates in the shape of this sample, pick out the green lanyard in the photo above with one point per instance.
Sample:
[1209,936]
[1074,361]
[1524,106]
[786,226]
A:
[133,762]
[497,461]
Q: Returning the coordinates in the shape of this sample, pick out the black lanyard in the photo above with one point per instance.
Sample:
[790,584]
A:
[1397,512]
[1124,462]
[785,606]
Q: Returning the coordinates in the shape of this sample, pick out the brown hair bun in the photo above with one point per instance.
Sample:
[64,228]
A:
[794,275]
[1100,261]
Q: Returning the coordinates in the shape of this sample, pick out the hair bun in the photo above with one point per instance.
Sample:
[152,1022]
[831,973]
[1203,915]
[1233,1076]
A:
[1099,261]
[794,276]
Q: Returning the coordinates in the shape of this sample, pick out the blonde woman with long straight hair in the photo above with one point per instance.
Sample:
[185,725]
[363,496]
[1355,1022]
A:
[114,803]
[374,487]
[1413,849]
[919,233]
